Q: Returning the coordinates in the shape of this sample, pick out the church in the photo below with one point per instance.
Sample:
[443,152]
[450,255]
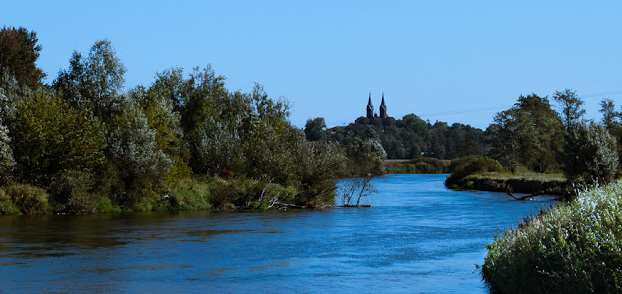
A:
[370,109]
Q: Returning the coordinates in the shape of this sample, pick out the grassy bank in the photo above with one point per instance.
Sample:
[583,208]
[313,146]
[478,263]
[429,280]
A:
[422,165]
[485,174]
[206,194]
[524,182]
[575,247]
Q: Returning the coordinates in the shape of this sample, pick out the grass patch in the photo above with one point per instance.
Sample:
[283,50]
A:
[526,176]
[575,247]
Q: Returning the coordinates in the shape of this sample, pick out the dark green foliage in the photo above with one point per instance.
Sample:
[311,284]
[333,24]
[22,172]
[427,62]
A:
[610,115]
[571,107]
[48,136]
[529,134]
[424,165]
[590,155]
[461,168]
[315,129]
[411,137]
[317,166]
[29,200]
[7,206]
[571,248]
[18,55]
[73,192]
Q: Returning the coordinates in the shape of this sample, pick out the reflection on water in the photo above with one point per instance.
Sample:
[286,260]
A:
[417,237]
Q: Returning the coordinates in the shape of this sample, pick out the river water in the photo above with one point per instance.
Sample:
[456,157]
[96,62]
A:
[418,237]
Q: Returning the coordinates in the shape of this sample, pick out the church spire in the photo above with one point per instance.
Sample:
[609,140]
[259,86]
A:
[370,108]
[383,108]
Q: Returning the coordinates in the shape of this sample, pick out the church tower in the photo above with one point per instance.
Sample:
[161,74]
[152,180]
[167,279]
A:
[383,108]
[370,108]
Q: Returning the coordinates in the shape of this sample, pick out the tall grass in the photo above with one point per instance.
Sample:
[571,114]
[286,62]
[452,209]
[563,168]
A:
[575,247]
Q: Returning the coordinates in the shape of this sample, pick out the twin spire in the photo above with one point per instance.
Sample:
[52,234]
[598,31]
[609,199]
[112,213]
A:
[370,108]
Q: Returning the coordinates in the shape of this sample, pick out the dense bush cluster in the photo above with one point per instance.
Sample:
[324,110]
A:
[572,248]
[83,144]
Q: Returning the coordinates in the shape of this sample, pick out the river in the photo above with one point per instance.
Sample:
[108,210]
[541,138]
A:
[418,237]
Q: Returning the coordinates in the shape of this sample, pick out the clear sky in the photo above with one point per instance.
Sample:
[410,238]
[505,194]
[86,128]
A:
[443,60]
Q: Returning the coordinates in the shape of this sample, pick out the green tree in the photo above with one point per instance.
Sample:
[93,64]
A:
[571,107]
[7,161]
[134,150]
[315,129]
[94,83]
[19,52]
[530,134]
[49,136]
[590,155]
[610,115]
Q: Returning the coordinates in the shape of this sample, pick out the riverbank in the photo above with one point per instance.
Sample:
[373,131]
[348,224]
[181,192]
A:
[422,165]
[190,194]
[574,247]
[527,182]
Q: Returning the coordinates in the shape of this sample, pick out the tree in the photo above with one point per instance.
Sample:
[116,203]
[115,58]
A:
[212,122]
[134,149]
[49,136]
[610,116]
[315,129]
[356,189]
[590,155]
[19,52]
[161,117]
[7,161]
[571,107]
[94,83]
[530,134]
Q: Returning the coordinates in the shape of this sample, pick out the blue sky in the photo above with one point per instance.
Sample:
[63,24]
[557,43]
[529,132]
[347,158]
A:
[443,60]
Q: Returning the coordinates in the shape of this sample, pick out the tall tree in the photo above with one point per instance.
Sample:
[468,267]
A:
[530,134]
[610,116]
[94,82]
[571,107]
[19,52]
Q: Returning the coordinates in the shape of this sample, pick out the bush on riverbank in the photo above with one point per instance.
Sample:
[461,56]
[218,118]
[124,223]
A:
[24,199]
[461,168]
[572,248]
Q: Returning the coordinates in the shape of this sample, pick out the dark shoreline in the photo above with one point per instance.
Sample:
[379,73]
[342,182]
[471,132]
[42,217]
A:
[511,185]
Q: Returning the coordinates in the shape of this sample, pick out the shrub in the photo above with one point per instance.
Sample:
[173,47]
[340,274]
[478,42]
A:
[30,200]
[7,206]
[105,205]
[461,168]
[190,194]
[590,155]
[572,248]
[71,191]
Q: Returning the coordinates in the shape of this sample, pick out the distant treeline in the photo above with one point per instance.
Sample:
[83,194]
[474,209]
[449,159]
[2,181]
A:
[83,144]
[407,138]
[529,136]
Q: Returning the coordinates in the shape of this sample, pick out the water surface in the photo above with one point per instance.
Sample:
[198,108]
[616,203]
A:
[418,237]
